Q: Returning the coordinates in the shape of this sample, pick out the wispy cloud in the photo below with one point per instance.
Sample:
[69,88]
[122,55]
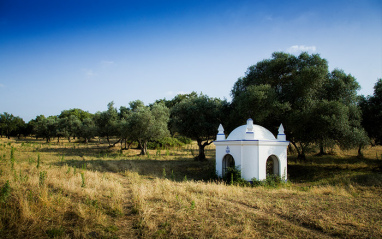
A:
[301,48]
[107,63]
[89,73]
[2,86]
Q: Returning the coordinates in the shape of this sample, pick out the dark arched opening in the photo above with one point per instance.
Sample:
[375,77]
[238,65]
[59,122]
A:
[228,162]
[272,166]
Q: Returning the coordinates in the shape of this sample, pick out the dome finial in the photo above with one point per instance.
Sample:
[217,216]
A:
[221,129]
[249,125]
[281,135]
[281,129]
[221,135]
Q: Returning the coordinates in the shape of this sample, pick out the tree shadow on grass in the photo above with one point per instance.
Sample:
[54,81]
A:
[364,172]
[91,151]
[104,151]
[171,169]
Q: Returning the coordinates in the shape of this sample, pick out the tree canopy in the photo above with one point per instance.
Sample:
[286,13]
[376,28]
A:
[198,117]
[10,124]
[372,113]
[300,92]
[145,123]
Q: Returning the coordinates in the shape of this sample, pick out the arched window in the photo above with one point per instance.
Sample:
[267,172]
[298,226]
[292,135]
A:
[228,162]
[272,166]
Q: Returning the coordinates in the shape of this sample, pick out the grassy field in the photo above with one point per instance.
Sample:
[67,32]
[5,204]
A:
[75,190]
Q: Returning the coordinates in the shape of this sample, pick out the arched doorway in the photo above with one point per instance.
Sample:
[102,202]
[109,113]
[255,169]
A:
[228,162]
[272,166]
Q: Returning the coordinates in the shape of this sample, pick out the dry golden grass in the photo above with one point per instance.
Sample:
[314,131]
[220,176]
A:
[90,191]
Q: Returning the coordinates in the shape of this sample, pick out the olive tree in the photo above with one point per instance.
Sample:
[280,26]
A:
[71,121]
[107,122]
[198,117]
[372,113]
[46,127]
[144,123]
[315,106]
[10,124]
[87,129]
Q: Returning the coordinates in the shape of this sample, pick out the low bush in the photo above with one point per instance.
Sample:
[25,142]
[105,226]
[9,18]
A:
[184,140]
[271,181]
[167,142]
[233,177]
[5,192]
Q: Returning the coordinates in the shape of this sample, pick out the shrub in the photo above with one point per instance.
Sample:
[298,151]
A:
[83,180]
[233,177]
[5,192]
[256,182]
[184,140]
[272,181]
[167,142]
[12,157]
[42,178]
[38,161]
[55,232]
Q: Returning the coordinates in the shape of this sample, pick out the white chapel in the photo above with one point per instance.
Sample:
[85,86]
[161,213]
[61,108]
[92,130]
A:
[249,147]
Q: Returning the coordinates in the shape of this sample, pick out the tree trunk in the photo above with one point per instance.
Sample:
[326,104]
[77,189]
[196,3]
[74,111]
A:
[299,156]
[322,150]
[127,145]
[360,154]
[143,148]
[302,155]
[113,145]
[202,155]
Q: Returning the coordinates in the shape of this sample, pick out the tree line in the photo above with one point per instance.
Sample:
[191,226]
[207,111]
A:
[316,107]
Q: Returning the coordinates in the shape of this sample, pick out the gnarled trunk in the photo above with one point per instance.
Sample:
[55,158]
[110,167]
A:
[143,148]
[322,149]
[300,153]
[202,155]
[360,154]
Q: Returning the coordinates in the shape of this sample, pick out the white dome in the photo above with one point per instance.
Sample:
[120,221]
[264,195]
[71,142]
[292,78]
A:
[259,133]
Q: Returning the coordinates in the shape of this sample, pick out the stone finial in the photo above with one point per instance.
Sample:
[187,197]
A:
[281,135]
[221,129]
[249,125]
[221,135]
[281,129]
[249,135]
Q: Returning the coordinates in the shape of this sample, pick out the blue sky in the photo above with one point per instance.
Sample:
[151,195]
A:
[57,55]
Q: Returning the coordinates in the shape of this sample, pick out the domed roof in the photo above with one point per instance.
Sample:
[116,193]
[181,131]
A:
[251,131]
